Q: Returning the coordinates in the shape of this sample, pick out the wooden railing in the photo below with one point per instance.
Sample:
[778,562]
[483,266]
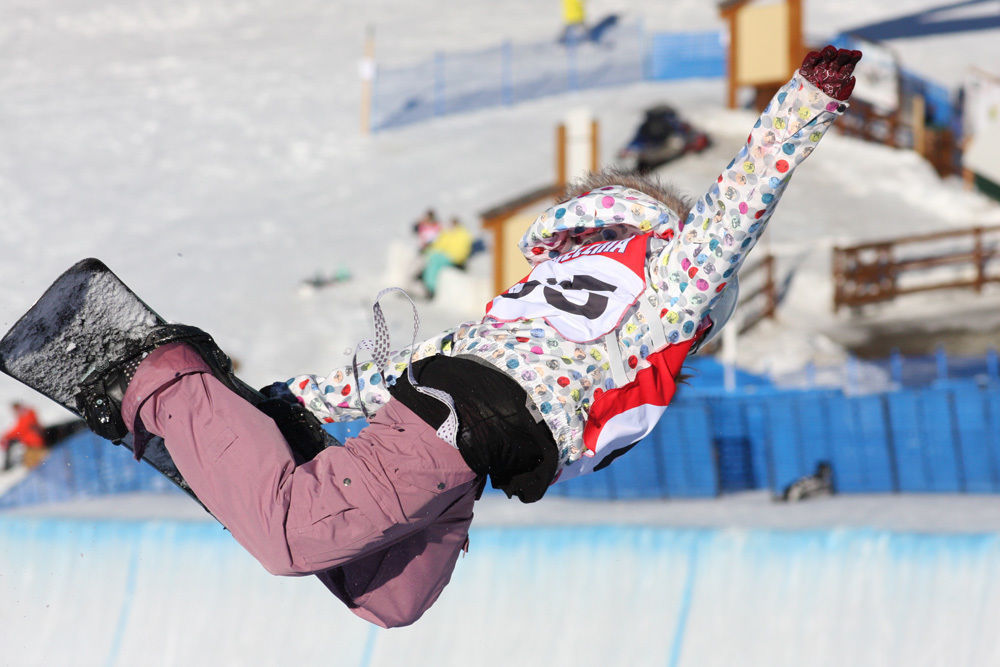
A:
[881,271]
[766,290]
[904,128]
[866,122]
[750,311]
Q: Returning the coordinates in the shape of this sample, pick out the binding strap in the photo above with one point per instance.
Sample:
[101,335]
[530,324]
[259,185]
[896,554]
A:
[615,359]
[619,373]
[379,347]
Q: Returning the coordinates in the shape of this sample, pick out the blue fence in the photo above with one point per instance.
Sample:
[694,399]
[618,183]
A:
[686,55]
[84,466]
[942,438]
[512,72]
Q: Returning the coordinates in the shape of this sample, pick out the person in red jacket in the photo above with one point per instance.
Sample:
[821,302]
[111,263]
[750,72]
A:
[28,432]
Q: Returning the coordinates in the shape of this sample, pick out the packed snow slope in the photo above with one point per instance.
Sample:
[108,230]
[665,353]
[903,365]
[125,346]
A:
[115,592]
[210,154]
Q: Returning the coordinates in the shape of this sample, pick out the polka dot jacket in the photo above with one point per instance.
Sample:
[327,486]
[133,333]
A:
[688,265]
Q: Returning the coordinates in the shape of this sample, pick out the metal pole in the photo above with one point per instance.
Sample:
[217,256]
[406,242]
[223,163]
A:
[506,74]
[896,367]
[439,106]
[942,363]
[571,77]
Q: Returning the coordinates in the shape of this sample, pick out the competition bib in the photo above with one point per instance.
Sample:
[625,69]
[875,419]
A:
[583,294]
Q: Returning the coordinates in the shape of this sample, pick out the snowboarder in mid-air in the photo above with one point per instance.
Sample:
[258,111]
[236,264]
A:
[569,368]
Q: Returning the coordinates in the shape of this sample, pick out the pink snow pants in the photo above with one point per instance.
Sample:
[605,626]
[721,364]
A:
[381,521]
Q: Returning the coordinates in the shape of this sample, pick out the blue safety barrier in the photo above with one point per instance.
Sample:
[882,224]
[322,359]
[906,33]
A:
[514,72]
[939,438]
[84,466]
[687,55]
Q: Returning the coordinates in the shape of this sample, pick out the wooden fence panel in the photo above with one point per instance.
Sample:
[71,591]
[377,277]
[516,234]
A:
[880,271]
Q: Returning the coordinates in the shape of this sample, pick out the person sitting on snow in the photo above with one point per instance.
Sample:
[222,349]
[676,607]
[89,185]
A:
[568,369]
[28,432]
[452,247]
[427,229]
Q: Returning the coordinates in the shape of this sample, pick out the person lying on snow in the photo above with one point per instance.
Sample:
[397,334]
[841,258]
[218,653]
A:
[567,370]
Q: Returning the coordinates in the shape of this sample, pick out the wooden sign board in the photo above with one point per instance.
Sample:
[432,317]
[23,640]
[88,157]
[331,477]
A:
[765,44]
[762,41]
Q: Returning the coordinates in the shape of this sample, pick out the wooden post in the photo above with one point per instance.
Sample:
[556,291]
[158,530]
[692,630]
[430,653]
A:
[595,145]
[838,277]
[796,48]
[968,178]
[977,254]
[367,71]
[561,156]
[772,298]
[918,112]
[498,251]
[733,47]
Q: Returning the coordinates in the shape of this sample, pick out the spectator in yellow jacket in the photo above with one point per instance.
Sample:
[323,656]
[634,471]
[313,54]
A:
[452,247]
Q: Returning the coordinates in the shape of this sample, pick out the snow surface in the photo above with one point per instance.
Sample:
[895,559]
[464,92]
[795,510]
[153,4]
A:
[169,593]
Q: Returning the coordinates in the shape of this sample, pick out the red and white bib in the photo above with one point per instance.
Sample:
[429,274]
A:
[583,294]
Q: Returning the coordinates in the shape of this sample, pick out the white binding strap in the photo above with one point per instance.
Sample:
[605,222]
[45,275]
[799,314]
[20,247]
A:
[379,347]
[652,315]
[615,359]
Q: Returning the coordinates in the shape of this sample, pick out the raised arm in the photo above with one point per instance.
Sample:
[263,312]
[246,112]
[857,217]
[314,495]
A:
[726,222]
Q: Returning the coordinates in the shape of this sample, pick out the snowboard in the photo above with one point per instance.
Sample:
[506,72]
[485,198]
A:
[87,318]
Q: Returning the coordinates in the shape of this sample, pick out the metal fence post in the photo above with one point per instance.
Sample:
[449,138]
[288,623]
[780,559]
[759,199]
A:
[890,442]
[896,366]
[506,74]
[956,438]
[772,297]
[439,105]
[941,357]
[992,365]
[645,53]
[838,278]
[572,81]
[851,376]
[978,255]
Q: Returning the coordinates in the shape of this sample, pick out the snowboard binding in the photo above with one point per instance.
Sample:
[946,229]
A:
[101,393]
[102,390]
